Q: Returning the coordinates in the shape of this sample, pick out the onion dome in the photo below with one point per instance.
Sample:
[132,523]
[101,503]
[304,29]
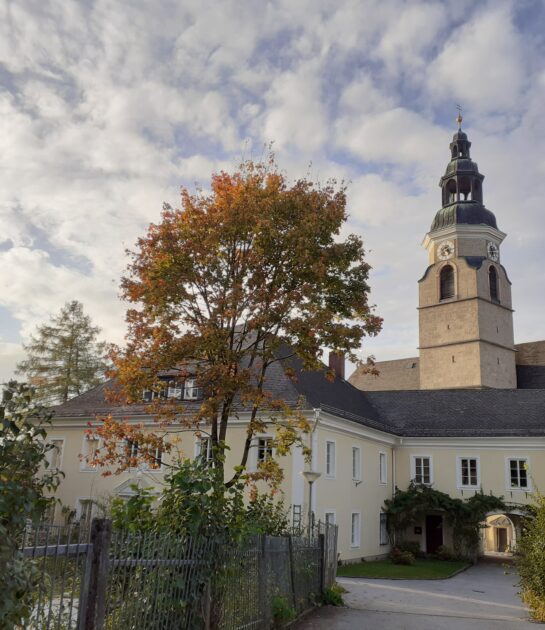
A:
[461,185]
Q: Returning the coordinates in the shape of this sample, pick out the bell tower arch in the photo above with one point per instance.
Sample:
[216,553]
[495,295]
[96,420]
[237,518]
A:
[465,312]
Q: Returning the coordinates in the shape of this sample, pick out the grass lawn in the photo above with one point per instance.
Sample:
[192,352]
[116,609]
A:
[422,569]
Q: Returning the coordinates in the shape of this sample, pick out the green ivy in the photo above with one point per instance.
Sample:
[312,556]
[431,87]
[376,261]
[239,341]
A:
[408,507]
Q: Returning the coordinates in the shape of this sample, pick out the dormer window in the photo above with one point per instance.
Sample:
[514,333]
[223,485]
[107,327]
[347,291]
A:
[191,391]
[174,390]
[446,282]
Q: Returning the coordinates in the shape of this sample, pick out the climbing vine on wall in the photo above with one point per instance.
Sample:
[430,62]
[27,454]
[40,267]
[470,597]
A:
[466,516]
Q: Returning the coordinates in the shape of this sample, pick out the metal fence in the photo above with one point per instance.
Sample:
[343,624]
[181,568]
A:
[96,578]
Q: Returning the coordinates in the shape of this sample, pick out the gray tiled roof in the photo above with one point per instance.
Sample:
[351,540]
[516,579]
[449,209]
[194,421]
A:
[463,412]
[440,413]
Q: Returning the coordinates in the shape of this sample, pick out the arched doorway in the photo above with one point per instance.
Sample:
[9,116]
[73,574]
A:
[499,535]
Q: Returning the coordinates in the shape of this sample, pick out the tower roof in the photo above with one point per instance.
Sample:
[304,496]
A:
[462,198]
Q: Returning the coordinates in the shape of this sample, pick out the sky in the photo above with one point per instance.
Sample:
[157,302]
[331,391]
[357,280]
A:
[107,108]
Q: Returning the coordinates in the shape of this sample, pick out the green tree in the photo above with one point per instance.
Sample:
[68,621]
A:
[531,558]
[24,481]
[64,358]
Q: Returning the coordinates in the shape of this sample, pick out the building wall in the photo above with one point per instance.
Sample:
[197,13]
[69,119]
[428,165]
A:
[339,494]
[344,495]
[493,455]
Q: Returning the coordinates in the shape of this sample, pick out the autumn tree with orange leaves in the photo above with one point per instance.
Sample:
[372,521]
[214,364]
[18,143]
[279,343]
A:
[217,288]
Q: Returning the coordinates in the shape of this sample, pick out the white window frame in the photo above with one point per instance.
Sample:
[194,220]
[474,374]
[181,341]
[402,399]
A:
[50,453]
[380,520]
[147,466]
[330,463]
[253,460]
[413,468]
[175,389]
[268,449]
[191,390]
[199,441]
[459,476]
[383,474]
[84,465]
[508,485]
[356,474]
[332,513]
[79,506]
[355,541]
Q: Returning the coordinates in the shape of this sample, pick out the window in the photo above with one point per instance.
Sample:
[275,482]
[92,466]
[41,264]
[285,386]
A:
[421,472]
[356,463]
[330,518]
[297,516]
[91,446]
[131,452]
[384,538]
[330,459]
[204,448]
[446,281]
[493,282]
[191,391]
[264,449]
[55,455]
[355,532]
[383,477]
[84,511]
[156,461]
[174,390]
[518,474]
[468,472]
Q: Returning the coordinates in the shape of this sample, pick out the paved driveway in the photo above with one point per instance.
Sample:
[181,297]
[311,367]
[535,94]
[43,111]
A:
[481,598]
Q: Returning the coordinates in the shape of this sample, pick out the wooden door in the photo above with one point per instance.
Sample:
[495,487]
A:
[434,532]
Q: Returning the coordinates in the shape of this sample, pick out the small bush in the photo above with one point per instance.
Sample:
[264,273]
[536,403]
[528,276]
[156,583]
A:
[282,611]
[444,553]
[531,560]
[412,546]
[402,557]
[332,596]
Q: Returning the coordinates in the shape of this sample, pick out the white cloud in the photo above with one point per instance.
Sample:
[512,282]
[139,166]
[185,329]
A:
[482,63]
[103,120]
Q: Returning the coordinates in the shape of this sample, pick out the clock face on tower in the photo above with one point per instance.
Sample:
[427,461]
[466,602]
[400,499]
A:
[445,250]
[493,252]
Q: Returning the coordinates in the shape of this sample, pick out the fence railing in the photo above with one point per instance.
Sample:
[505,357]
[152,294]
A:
[95,578]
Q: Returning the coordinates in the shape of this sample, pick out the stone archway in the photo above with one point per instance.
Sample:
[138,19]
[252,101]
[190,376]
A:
[499,535]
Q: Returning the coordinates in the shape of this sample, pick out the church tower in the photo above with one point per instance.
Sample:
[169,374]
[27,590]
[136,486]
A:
[465,314]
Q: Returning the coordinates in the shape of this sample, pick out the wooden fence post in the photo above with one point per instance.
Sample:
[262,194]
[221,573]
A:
[93,588]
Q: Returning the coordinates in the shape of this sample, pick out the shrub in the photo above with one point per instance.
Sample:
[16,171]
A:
[531,560]
[282,611]
[412,546]
[444,553]
[332,596]
[401,557]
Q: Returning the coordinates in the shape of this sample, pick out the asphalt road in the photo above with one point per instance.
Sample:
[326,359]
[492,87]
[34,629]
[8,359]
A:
[482,598]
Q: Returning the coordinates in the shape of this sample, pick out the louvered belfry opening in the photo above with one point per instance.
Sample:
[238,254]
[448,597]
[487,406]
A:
[447,283]
[493,281]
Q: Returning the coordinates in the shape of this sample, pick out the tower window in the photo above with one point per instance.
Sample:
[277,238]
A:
[464,186]
[455,151]
[493,281]
[451,191]
[446,281]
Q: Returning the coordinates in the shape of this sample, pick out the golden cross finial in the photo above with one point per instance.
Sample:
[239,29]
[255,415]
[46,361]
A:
[459,117]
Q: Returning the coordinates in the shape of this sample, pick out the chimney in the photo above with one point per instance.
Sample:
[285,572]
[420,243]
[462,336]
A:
[336,362]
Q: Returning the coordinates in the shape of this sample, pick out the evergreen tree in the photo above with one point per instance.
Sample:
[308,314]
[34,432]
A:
[64,358]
